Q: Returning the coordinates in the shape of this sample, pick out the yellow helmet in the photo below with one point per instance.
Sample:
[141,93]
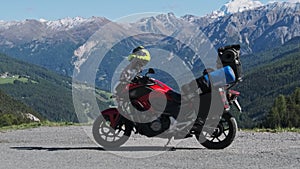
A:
[141,53]
[138,48]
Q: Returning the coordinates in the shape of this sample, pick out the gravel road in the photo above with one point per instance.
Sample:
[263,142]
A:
[71,147]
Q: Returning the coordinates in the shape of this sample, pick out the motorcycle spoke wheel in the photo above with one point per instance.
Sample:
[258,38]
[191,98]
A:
[219,134]
[222,136]
[107,136]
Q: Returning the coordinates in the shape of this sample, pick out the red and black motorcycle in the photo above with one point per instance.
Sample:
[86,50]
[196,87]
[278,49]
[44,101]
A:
[149,107]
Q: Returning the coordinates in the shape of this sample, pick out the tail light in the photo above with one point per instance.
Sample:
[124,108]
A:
[232,94]
[224,98]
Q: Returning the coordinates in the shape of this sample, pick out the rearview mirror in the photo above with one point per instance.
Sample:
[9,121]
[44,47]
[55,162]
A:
[151,71]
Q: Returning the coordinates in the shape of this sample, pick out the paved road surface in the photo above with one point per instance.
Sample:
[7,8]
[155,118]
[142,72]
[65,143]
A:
[70,147]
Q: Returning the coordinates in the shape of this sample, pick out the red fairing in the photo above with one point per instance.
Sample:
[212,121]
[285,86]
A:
[158,90]
[160,86]
[113,115]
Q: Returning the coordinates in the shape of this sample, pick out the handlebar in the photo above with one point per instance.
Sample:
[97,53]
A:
[143,80]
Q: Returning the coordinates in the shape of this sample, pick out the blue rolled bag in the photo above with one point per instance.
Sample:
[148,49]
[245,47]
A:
[229,71]
[220,77]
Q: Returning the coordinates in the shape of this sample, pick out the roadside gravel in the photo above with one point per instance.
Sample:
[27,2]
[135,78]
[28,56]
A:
[71,147]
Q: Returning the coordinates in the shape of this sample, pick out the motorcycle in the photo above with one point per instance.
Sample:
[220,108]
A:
[149,107]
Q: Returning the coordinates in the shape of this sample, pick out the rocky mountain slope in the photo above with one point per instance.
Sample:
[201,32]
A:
[51,44]
[72,44]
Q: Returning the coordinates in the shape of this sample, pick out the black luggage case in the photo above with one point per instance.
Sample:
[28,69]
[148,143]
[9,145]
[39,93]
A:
[230,56]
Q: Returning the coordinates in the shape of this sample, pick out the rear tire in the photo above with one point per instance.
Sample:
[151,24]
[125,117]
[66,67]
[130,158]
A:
[223,135]
[107,136]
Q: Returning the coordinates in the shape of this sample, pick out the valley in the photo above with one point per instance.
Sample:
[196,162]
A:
[39,57]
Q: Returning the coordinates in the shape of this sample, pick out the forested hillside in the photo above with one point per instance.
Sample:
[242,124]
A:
[267,75]
[285,112]
[44,91]
[13,112]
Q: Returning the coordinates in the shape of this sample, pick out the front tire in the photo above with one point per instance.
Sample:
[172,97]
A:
[107,136]
[223,134]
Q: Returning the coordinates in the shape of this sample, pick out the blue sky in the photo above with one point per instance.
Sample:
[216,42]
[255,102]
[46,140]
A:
[111,9]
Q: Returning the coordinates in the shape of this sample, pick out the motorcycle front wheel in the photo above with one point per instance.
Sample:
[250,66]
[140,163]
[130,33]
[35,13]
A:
[222,136]
[107,136]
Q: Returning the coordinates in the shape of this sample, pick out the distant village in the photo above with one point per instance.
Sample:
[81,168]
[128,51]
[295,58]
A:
[6,75]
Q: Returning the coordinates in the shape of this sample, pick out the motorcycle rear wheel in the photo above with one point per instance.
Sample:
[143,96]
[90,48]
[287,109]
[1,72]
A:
[223,134]
[107,136]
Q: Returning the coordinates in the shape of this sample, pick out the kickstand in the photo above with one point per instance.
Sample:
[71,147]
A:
[169,140]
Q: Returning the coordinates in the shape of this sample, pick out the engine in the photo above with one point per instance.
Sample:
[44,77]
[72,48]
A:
[155,127]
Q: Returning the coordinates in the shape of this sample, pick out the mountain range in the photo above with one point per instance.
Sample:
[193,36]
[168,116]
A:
[51,44]
[64,45]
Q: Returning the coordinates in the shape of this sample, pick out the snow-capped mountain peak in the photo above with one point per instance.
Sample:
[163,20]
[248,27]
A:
[42,20]
[69,23]
[235,6]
